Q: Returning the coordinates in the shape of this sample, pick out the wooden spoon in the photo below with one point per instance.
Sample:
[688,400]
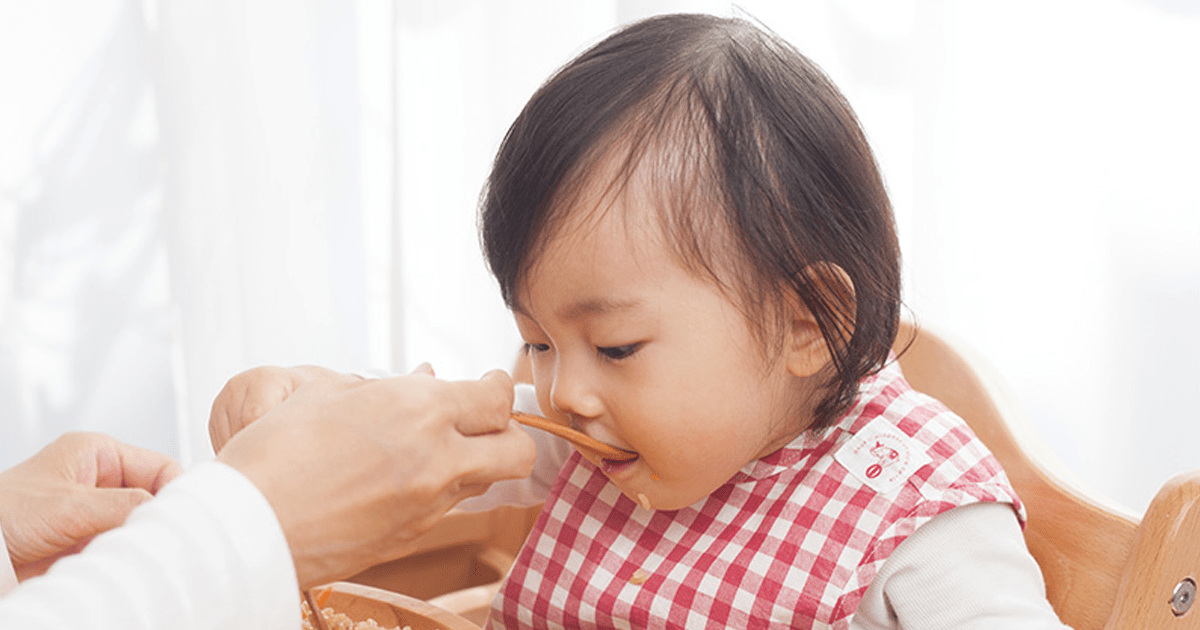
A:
[314,609]
[578,438]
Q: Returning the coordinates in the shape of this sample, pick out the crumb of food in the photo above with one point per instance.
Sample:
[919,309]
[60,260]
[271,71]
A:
[644,500]
[340,621]
[639,577]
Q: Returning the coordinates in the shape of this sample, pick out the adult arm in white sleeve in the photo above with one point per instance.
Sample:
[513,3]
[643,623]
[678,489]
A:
[207,553]
[966,569]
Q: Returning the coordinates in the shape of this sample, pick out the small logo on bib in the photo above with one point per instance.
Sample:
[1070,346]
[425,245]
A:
[881,456]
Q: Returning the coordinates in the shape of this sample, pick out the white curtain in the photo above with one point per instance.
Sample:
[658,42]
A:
[82,272]
[192,187]
[259,113]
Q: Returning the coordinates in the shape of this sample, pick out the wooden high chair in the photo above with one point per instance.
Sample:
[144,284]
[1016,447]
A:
[1104,568]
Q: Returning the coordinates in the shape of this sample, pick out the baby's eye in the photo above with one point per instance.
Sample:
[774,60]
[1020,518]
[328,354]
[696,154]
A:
[619,352]
[531,348]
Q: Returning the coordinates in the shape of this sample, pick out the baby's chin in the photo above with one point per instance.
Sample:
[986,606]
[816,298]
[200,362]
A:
[667,501]
[635,479]
[659,496]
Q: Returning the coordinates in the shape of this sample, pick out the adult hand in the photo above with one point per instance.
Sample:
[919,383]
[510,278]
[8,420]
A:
[251,394]
[79,486]
[356,469]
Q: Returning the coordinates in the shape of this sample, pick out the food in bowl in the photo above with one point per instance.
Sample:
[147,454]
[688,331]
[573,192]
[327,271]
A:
[338,621]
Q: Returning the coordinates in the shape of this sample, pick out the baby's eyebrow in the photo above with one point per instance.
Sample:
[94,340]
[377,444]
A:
[596,306]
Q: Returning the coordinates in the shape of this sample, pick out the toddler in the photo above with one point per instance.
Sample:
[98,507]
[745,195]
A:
[693,236]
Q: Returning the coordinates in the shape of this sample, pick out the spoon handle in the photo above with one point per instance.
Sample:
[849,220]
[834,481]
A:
[578,438]
[314,609]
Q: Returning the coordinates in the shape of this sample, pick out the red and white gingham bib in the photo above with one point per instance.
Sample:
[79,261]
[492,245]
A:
[791,541]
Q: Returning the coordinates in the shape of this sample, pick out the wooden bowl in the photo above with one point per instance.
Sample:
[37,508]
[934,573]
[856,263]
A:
[390,609]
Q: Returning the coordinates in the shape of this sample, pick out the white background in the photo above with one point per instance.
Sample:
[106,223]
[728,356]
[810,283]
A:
[192,187]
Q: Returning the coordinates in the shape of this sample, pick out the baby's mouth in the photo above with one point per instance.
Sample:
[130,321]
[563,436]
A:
[611,466]
[599,434]
[627,457]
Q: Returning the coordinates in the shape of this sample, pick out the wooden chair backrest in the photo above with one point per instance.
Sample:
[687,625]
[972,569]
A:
[1080,542]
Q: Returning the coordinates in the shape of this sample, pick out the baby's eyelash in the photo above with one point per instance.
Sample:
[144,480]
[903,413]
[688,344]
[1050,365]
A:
[530,348]
[617,353]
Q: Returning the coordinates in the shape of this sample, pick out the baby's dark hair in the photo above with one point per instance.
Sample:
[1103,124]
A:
[767,183]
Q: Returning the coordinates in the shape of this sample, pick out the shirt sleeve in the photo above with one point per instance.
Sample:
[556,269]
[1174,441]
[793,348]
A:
[552,452]
[206,554]
[966,569]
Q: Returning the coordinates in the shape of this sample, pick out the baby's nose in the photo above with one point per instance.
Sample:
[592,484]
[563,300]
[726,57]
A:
[573,396]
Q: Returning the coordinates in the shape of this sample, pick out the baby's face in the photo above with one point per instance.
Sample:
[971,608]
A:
[636,351]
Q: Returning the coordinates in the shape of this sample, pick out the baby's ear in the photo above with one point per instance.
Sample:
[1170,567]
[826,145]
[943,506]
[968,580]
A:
[808,352]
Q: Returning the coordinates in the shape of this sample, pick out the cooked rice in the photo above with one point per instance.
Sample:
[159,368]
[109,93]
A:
[339,621]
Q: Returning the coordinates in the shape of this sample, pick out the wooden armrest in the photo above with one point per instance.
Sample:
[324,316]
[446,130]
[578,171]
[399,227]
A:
[1166,551]
[474,603]
[464,550]
[455,528]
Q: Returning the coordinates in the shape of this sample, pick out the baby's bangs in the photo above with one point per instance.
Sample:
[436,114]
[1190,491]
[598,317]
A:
[664,147]
[682,155]
[679,164]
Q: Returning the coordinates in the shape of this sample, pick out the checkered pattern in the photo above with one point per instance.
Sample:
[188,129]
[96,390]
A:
[791,541]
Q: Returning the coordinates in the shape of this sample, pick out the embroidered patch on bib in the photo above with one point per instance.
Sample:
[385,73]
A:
[881,456]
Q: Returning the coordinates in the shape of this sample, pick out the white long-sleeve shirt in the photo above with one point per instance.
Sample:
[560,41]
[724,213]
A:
[206,554]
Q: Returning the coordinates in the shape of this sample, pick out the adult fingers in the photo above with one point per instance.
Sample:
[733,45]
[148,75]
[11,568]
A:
[120,465]
[67,524]
[247,397]
[424,368]
[491,457]
[483,405]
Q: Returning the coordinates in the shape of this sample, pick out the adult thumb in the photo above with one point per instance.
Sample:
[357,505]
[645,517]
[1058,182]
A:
[425,368]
